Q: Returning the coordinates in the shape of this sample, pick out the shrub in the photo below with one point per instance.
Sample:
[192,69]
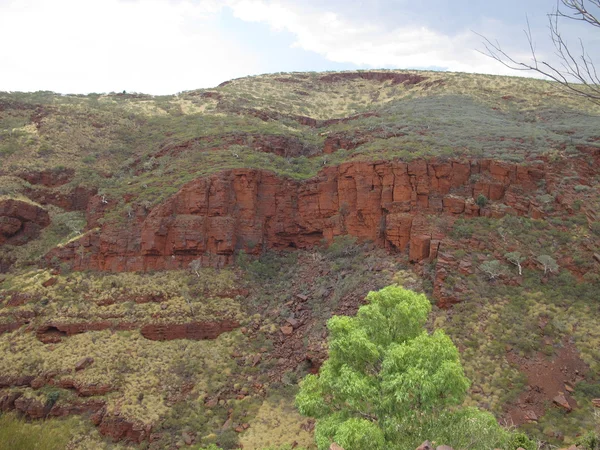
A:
[461,230]
[520,440]
[389,382]
[591,390]
[548,263]
[493,268]
[589,441]
[481,201]
[342,246]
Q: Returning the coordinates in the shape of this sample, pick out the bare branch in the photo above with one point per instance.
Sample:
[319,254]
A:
[575,70]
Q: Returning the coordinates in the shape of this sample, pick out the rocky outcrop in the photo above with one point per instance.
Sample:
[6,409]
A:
[267,115]
[390,203]
[120,429]
[15,298]
[21,221]
[195,331]
[115,427]
[84,390]
[9,327]
[48,178]
[34,409]
[282,145]
[76,199]
[54,332]
[48,379]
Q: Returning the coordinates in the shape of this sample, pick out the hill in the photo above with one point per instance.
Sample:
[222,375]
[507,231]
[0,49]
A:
[167,264]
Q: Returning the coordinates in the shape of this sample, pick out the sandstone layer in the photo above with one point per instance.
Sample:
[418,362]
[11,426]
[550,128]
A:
[390,203]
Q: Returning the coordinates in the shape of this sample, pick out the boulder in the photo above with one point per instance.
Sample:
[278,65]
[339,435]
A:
[287,330]
[561,401]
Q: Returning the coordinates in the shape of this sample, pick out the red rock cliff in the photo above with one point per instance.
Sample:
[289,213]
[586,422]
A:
[388,202]
[20,221]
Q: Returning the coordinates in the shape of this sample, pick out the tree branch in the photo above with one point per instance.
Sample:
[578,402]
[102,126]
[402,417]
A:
[575,71]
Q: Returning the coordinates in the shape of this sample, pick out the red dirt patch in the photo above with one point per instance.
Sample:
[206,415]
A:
[547,378]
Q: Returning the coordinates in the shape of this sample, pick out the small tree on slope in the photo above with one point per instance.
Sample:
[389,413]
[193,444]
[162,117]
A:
[389,384]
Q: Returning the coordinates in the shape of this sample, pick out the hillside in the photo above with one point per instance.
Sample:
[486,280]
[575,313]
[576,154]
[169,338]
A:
[167,264]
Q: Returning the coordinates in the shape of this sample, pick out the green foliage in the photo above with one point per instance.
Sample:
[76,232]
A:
[515,258]
[265,267]
[520,440]
[228,439]
[16,434]
[591,390]
[548,263]
[481,200]
[353,433]
[466,428]
[493,268]
[52,398]
[387,381]
[209,447]
[462,230]
[589,441]
[283,447]
[344,245]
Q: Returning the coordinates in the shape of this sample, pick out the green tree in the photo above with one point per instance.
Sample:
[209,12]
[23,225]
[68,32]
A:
[548,263]
[481,200]
[388,383]
[493,268]
[515,258]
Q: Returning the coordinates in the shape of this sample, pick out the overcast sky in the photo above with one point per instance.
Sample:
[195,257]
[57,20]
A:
[168,46]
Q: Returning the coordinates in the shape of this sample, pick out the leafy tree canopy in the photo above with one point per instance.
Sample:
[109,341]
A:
[388,383]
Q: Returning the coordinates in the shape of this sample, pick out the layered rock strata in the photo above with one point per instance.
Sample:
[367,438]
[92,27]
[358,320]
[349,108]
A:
[390,203]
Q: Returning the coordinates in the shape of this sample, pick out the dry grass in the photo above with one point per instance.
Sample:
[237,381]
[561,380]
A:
[276,424]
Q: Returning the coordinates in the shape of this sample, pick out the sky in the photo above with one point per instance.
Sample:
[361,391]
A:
[168,46]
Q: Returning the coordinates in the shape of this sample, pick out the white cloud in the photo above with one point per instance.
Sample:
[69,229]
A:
[165,46]
[152,46]
[341,40]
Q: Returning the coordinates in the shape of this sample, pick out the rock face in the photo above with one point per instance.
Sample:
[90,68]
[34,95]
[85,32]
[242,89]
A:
[20,221]
[48,178]
[76,199]
[109,425]
[390,203]
[119,429]
[54,332]
[195,331]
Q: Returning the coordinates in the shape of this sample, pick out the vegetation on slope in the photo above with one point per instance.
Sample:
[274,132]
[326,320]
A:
[389,384]
[149,146]
[136,150]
